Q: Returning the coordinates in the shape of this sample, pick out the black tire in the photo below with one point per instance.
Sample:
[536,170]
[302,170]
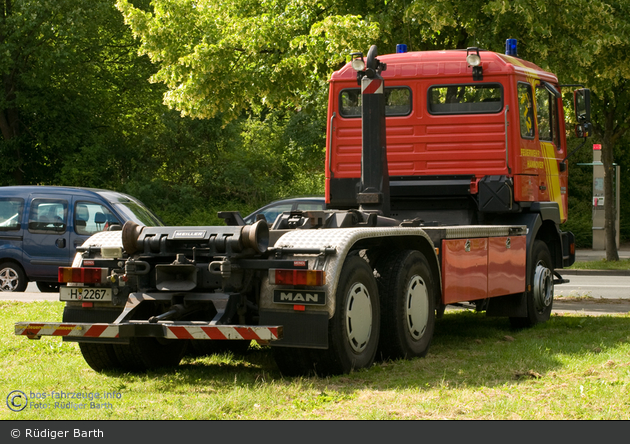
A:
[540,297]
[353,331]
[12,277]
[48,287]
[144,354]
[407,294]
[100,357]
[293,361]
[202,347]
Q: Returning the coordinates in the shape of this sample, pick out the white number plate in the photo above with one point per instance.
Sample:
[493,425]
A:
[85,294]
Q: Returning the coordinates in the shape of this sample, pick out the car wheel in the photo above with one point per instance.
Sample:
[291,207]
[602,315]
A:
[48,287]
[12,277]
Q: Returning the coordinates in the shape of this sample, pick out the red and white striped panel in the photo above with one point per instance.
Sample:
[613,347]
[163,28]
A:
[32,329]
[223,332]
[371,86]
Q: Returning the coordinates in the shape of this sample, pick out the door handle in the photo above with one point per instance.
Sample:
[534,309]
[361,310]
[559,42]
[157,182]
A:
[60,243]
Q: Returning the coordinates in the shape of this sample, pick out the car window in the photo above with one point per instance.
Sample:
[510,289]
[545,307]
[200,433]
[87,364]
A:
[309,206]
[272,212]
[11,213]
[138,214]
[48,216]
[90,218]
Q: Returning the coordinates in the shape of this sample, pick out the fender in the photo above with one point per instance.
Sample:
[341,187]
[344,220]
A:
[344,240]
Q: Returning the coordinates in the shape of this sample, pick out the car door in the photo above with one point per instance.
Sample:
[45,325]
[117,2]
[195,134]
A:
[89,217]
[11,227]
[46,245]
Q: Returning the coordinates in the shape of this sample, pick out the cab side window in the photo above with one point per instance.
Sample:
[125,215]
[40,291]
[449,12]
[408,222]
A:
[11,211]
[90,218]
[547,116]
[397,101]
[543,114]
[526,110]
[48,216]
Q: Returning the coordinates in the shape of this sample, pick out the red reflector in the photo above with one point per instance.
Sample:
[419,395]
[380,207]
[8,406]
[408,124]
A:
[299,307]
[87,304]
[81,275]
[572,248]
[298,277]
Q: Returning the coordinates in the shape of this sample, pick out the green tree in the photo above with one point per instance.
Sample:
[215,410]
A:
[223,58]
[75,101]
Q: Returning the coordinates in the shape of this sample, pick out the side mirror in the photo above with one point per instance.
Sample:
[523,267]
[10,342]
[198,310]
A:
[582,104]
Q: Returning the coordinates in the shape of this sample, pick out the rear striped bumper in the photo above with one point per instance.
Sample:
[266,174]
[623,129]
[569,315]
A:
[193,330]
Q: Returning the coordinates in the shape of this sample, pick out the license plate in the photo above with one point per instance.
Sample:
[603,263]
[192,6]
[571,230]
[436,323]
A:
[299,297]
[85,294]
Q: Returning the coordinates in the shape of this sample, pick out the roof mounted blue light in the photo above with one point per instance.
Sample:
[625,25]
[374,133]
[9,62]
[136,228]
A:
[510,47]
[401,48]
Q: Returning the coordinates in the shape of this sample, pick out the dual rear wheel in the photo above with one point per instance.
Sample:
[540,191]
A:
[389,316]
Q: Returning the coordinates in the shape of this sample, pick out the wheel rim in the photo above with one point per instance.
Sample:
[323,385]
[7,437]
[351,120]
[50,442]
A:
[543,287]
[417,307]
[359,317]
[8,279]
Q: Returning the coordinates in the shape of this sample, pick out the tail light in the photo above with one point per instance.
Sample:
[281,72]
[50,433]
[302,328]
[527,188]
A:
[311,278]
[82,275]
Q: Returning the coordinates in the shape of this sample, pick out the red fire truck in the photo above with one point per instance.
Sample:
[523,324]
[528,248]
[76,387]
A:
[446,183]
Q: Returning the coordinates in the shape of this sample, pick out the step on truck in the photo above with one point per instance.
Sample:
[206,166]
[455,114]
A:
[446,183]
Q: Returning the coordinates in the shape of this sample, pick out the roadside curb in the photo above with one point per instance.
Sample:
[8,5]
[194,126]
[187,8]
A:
[564,272]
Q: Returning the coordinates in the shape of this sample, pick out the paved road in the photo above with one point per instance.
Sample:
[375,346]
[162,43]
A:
[31,294]
[599,287]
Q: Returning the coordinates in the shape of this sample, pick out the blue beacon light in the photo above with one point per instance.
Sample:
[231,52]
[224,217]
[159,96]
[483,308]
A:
[510,47]
[401,48]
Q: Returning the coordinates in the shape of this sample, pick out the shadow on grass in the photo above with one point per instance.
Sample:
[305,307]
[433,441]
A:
[468,349]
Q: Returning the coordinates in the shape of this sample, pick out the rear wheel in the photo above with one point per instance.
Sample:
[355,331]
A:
[12,277]
[353,331]
[144,354]
[540,297]
[407,296]
[48,287]
[293,361]
[99,356]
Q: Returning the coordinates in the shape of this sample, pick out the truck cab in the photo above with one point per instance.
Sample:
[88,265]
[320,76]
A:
[459,145]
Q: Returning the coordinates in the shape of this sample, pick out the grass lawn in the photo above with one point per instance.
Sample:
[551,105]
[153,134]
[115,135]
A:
[572,367]
[602,264]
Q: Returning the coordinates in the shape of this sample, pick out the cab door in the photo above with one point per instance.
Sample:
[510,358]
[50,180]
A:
[46,240]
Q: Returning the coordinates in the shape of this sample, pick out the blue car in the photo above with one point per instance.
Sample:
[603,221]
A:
[41,227]
[274,209]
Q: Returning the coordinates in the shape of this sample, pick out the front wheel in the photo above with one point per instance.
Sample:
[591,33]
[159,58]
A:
[540,297]
[407,296]
[12,278]
[353,331]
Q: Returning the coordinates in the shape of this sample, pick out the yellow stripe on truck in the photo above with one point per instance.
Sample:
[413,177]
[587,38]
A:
[553,178]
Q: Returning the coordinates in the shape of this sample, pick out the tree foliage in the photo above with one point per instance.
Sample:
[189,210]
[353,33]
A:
[76,106]
[228,57]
